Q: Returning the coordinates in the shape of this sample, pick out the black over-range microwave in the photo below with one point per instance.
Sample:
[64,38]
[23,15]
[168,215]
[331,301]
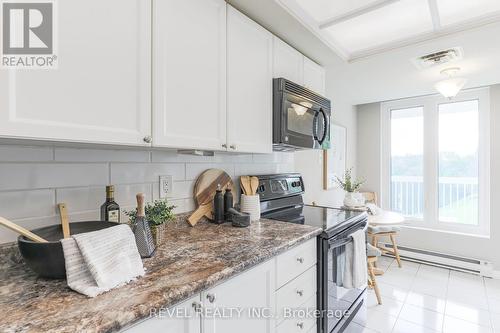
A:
[301,118]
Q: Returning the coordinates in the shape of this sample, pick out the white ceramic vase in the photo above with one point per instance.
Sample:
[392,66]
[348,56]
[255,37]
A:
[353,199]
[251,204]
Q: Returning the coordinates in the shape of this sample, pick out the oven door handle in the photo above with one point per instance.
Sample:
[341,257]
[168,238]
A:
[339,243]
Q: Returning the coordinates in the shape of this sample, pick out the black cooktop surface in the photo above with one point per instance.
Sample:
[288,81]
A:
[331,220]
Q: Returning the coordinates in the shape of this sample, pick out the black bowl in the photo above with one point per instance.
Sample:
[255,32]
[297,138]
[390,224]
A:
[47,259]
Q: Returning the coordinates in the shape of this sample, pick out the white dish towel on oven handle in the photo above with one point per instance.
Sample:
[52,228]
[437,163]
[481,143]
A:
[355,273]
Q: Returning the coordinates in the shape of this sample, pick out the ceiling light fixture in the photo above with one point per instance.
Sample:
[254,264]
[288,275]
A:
[450,87]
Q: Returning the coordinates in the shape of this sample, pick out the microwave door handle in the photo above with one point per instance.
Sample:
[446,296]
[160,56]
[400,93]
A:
[325,126]
[315,125]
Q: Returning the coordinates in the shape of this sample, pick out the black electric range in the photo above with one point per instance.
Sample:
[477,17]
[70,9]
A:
[281,199]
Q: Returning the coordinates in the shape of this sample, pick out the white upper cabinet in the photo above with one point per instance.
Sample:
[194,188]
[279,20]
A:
[249,84]
[314,76]
[288,62]
[101,90]
[189,74]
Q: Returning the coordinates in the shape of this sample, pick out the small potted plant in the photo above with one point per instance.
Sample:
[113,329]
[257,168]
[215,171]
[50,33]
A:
[351,187]
[158,214]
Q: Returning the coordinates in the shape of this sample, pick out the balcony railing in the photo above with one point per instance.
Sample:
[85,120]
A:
[457,198]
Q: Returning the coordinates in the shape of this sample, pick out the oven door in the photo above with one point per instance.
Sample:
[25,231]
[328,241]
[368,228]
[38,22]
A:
[338,300]
[305,124]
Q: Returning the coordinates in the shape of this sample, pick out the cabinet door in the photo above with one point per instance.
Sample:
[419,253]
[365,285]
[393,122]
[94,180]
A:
[189,70]
[100,91]
[288,62]
[314,76]
[249,84]
[253,289]
[179,319]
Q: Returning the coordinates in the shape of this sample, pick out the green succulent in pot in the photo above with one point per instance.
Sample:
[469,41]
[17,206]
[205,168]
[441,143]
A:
[158,214]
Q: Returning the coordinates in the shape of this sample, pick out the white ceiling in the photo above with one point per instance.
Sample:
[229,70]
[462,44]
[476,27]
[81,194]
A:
[392,75]
[358,28]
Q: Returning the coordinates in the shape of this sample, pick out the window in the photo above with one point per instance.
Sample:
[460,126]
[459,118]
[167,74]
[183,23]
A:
[407,161]
[435,165]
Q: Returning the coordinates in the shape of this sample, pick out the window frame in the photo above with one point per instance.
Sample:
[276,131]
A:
[430,106]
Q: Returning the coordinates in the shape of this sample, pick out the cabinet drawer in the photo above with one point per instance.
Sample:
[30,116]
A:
[295,261]
[296,292]
[300,323]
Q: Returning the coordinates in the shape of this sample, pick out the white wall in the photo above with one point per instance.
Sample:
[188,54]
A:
[34,179]
[369,161]
[310,162]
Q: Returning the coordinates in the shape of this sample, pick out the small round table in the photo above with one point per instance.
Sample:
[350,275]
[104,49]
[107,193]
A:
[386,218]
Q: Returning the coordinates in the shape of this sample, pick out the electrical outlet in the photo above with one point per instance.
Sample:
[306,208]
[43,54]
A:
[166,186]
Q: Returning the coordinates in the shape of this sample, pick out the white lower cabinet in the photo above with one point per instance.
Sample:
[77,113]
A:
[248,297]
[251,302]
[179,319]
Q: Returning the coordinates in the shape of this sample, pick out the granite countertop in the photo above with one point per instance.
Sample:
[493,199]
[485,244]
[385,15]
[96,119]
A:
[188,261]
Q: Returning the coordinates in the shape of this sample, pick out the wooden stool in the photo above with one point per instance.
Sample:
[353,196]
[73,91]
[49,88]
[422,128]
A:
[372,281]
[392,235]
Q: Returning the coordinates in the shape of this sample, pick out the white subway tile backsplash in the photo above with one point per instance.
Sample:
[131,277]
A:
[130,173]
[125,194]
[25,154]
[100,155]
[232,158]
[255,169]
[31,183]
[81,199]
[24,204]
[19,176]
[193,170]
[174,157]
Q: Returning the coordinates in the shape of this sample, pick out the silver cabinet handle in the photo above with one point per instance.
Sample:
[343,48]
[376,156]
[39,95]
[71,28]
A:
[300,259]
[197,306]
[224,145]
[148,139]
[211,297]
[300,293]
[300,325]
[232,146]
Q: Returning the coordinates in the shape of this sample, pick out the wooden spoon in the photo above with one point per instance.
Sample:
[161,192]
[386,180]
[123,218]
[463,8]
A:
[20,230]
[64,220]
[254,184]
[245,185]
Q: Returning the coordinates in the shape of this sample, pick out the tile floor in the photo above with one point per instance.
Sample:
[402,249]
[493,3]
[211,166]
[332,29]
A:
[425,299]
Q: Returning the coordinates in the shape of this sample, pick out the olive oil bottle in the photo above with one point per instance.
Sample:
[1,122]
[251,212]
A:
[110,211]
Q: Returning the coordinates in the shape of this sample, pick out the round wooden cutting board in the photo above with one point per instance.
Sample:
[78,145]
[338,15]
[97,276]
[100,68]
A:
[204,192]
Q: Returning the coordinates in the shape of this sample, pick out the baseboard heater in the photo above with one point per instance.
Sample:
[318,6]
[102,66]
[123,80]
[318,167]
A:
[474,266]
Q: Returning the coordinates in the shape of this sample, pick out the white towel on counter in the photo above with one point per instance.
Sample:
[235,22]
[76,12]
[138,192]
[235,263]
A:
[355,273]
[101,260]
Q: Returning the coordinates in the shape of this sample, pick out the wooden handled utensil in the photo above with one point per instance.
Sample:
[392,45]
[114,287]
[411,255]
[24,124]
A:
[254,185]
[204,192]
[20,230]
[245,185]
[64,220]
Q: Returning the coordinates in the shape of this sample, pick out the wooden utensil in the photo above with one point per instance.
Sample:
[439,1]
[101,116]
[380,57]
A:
[254,185]
[245,184]
[20,230]
[64,220]
[204,192]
